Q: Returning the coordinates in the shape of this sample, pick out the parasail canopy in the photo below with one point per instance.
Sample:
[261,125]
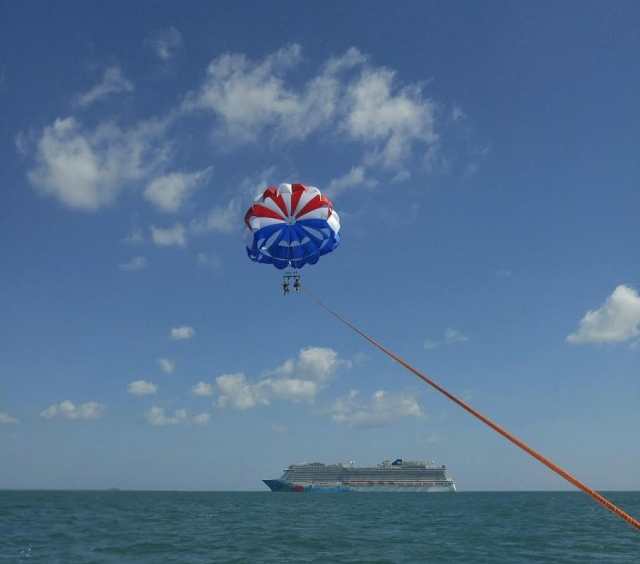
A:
[291,225]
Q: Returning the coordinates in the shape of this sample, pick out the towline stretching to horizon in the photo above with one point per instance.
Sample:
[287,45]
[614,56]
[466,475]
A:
[397,476]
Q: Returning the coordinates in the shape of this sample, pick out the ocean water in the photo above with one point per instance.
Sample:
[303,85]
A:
[83,527]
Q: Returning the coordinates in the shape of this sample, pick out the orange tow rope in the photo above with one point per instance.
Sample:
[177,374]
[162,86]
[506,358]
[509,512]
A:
[586,489]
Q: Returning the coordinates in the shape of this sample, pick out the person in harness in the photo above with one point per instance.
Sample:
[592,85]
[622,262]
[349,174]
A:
[285,286]
[296,285]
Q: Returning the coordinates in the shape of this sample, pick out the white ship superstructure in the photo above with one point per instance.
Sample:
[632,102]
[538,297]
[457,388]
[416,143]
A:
[397,476]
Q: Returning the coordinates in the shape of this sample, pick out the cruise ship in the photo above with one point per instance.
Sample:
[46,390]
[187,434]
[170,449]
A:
[397,476]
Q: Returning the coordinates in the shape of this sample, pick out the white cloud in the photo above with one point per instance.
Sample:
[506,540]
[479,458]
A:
[221,219]
[314,363]
[435,437]
[392,120]
[166,43]
[296,380]
[6,418]
[430,345]
[158,416]
[382,409]
[169,192]
[113,82]
[142,388]
[457,113]
[504,273]
[202,419]
[202,389]
[88,170]
[237,392]
[134,264]
[617,320]
[184,332]
[174,236]
[293,389]
[67,410]
[166,365]
[354,178]
[251,97]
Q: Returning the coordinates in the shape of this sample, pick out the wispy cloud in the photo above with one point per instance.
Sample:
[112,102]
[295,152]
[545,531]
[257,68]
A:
[68,410]
[134,238]
[617,320]
[113,82]
[353,179]
[134,264]
[210,260]
[454,336]
[165,43]
[450,337]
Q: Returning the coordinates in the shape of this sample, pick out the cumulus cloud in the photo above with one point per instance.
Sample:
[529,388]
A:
[202,419]
[113,82]
[236,391]
[297,380]
[180,333]
[169,192]
[67,410]
[165,43]
[142,388]
[6,418]
[314,363]
[382,409]
[166,365]
[617,320]
[135,263]
[173,236]
[87,170]
[202,389]
[392,119]
[250,98]
[293,389]
[158,416]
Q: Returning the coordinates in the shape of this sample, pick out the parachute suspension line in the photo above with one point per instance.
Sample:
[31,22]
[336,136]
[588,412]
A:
[586,489]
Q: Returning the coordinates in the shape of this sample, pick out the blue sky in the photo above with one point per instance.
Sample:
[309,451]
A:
[483,158]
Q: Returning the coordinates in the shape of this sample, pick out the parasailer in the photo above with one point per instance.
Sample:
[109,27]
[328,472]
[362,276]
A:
[289,226]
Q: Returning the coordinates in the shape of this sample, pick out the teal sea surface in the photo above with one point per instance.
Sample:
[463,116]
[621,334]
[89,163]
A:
[83,527]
